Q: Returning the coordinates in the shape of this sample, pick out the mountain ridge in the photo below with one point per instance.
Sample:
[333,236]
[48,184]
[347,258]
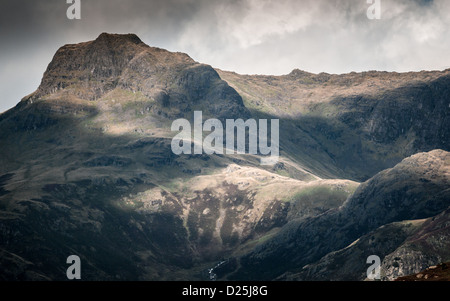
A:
[383,199]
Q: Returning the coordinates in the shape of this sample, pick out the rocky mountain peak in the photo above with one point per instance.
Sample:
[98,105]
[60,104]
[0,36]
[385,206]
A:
[297,73]
[90,70]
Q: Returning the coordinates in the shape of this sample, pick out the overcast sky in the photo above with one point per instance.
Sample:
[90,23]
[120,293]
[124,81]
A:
[245,36]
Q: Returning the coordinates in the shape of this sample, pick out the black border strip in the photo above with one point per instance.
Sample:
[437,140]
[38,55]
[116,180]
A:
[174,289]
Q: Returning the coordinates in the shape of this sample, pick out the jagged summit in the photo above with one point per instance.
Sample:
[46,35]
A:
[122,62]
[89,70]
[112,37]
[299,73]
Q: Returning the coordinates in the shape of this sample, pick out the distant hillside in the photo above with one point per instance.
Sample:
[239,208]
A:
[352,125]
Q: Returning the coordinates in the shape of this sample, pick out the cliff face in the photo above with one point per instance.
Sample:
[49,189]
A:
[86,168]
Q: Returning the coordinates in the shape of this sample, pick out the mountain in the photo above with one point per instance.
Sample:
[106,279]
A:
[86,168]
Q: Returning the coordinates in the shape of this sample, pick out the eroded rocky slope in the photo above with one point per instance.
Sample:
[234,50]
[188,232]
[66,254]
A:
[86,168]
